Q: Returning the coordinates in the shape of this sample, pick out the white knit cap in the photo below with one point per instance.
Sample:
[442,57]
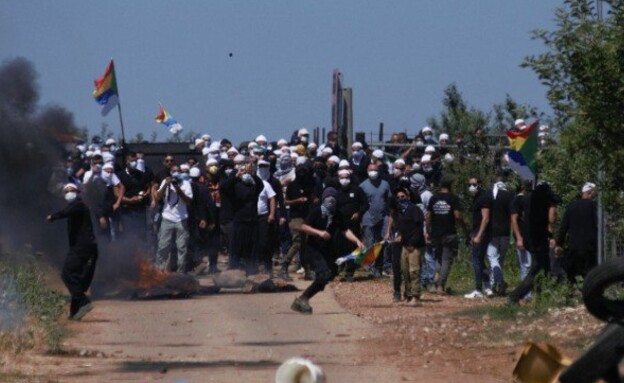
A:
[327,150]
[110,141]
[206,137]
[312,145]
[344,163]
[261,138]
[108,157]
[239,158]
[519,122]
[357,144]
[107,166]
[251,144]
[426,129]
[334,159]
[444,136]
[232,150]
[344,172]
[194,172]
[212,161]
[70,186]
[399,161]
[303,131]
[426,158]
[185,167]
[429,149]
[282,142]
[198,141]
[215,147]
[378,154]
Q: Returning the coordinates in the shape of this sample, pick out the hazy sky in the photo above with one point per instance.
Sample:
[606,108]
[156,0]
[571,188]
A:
[398,56]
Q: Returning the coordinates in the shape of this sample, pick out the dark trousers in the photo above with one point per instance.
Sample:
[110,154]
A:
[540,262]
[347,247]
[396,248]
[482,278]
[578,262]
[265,243]
[77,275]
[324,268]
[445,248]
[242,242]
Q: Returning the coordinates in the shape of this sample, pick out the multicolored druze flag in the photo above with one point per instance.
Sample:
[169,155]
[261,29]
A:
[166,119]
[364,257]
[105,92]
[523,151]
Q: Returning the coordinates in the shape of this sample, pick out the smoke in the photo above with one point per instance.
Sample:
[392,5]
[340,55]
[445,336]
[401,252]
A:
[29,155]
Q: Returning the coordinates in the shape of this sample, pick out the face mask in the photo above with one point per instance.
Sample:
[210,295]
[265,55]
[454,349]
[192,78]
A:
[141,164]
[185,176]
[97,168]
[304,139]
[403,203]
[373,174]
[246,178]
[344,181]
[223,155]
[420,144]
[329,204]
[69,197]
[176,175]
[132,164]
[472,189]
[108,177]
[69,171]
[398,172]
[112,148]
[427,168]
[427,136]
[358,155]
[264,173]
[416,166]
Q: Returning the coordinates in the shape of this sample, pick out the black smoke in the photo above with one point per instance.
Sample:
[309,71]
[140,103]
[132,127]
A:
[31,154]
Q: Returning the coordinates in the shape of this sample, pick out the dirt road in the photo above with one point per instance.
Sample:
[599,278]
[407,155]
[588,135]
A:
[220,338]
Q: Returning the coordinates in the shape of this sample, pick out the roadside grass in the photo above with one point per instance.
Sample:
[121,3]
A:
[29,309]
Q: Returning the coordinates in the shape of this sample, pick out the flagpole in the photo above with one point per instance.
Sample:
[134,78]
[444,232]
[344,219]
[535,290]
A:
[123,134]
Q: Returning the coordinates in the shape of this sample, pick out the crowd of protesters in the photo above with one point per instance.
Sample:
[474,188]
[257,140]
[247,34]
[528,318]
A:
[295,206]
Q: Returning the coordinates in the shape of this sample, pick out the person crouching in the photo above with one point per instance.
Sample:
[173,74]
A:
[322,226]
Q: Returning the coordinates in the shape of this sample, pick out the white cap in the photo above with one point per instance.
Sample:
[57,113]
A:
[588,186]
[344,172]
[426,129]
[251,144]
[194,172]
[214,147]
[327,150]
[294,155]
[205,151]
[199,141]
[263,162]
[277,152]
[519,122]
[70,186]
[81,147]
[301,160]
[107,166]
[333,159]
[110,141]
[429,149]
[399,162]
[185,167]
[444,136]
[357,144]
[108,157]
[425,158]
[232,150]
[344,163]
[303,131]
[448,157]
[282,142]
[239,158]
[206,137]
[261,138]
[312,145]
[89,153]
[378,154]
[285,150]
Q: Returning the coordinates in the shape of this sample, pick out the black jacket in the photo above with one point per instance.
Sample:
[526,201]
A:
[79,225]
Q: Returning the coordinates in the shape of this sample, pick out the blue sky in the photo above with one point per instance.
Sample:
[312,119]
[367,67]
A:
[398,56]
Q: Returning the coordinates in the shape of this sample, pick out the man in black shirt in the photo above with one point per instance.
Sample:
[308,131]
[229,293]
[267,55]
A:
[518,219]
[243,189]
[134,201]
[322,226]
[79,265]
[540,207]
[579,227]
[480,236]
[501,226]
[201,221]
[443,214]
[298,198]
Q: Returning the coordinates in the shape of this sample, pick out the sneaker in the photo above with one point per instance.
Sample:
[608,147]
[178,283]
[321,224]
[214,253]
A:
[473,295]
[82,311]
[431,289]
[301,305]
[375,274]
[396,297]
[488,292]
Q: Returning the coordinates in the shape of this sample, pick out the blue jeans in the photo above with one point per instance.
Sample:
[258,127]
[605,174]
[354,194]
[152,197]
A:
[524,262]
[429,266]
[482,278]
[496,251]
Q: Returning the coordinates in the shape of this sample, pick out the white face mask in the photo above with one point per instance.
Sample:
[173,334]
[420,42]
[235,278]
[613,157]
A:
[473,189]
[344,181]
[416,166]
[70,196]
[373,174]
[108,177]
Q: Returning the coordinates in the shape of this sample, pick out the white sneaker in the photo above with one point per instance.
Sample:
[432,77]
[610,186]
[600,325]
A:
[473,295]
[489,293]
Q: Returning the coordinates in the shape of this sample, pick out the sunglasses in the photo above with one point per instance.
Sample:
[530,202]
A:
[472,184]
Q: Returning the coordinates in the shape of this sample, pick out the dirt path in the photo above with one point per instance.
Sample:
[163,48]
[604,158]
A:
[220,338]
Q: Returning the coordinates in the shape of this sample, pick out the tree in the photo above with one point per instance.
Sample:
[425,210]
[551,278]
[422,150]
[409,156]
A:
[583,69]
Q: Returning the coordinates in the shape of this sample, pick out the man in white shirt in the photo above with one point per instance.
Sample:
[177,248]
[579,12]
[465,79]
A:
[176,195]
[266,219]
